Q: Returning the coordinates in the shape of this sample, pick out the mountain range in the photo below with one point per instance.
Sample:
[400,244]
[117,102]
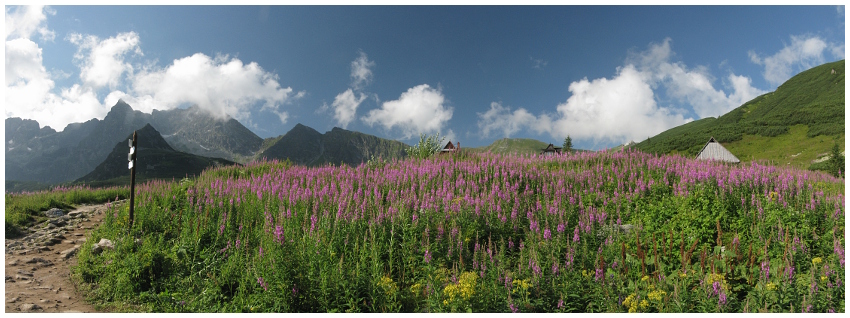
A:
[179,141]
[794,125]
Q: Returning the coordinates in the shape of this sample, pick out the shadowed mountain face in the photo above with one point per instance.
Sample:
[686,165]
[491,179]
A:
[44,155]
[155,158]
[305,146]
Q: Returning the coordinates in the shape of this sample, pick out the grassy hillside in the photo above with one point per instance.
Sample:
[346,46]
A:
[514,145]
[801,116]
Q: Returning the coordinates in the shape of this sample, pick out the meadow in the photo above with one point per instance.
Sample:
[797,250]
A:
[477,232]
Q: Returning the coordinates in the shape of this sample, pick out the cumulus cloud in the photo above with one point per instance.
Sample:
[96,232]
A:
[604,110]
[625,107]
[616,110]
[421,109]
[500,119]
[803,53]
[692,86]
[222,85]
[29,88]
[22,22]
[102,62]
[361,72]
[345,106]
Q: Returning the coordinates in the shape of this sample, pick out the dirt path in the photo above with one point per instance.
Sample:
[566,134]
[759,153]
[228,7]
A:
[37,264]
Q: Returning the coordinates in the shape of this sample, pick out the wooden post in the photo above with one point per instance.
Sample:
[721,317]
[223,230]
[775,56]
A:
[132,159]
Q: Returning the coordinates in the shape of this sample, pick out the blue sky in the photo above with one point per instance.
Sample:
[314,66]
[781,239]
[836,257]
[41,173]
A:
[602,74]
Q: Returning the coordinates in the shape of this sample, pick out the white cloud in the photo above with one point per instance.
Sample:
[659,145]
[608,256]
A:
[345,107]
[361,73]
[603,110]
[102,62]
[345,104]
[23,21]
[500,118]
[616,110]
[692,86]
[29,88]
[625,107]
[803,53]
[421,109]
[537,63]
[223,86]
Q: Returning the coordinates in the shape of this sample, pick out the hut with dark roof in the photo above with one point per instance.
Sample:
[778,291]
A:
[713,150]
[551,150]
[450,148]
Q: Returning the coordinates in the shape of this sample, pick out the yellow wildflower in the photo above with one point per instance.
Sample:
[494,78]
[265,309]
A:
[823,279]
[644,278]
[656,295]
[771,286]
[816,261]
[644,304]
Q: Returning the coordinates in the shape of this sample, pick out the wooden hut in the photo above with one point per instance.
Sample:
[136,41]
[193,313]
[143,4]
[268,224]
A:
[713,150]
[450,148]
[551,150]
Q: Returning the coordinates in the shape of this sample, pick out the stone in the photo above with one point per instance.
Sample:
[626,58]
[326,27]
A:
[53,241]
[29,307]
[39,260]
[13,300]
[74,214]
[101,245]
[14,262]
[21,277]
[66,254]
[57,222]
[54,213]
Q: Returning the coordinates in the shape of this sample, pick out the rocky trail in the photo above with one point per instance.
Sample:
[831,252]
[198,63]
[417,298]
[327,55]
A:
[37,263]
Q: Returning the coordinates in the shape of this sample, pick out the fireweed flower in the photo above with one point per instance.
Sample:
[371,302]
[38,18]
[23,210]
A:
[262,283]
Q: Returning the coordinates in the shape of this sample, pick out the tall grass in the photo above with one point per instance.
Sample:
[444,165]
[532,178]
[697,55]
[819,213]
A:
[24,208]
[580,232]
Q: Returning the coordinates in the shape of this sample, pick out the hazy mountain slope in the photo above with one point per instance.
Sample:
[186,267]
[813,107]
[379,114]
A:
[305,146]
[46,156]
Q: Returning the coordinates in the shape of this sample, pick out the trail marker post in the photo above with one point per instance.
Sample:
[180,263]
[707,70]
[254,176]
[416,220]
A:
[131,158]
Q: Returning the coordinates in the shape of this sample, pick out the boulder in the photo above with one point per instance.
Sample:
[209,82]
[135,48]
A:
[54,213]
[29,307]
[66,254]
[98,247]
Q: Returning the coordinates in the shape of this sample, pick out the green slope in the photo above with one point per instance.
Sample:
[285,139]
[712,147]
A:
[514,146]
[805,115]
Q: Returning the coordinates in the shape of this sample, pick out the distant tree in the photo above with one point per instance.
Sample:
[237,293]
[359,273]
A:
[836,161]
[568,144]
